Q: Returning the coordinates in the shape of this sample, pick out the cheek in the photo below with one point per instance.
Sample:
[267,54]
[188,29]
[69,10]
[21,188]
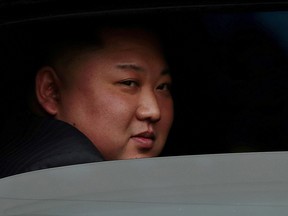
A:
[108,110]
[111,107]
[167,113]
[110,123]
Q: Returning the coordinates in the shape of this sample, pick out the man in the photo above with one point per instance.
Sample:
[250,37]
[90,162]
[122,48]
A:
[112,91]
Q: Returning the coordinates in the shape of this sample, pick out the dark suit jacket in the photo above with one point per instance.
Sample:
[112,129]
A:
[43,142]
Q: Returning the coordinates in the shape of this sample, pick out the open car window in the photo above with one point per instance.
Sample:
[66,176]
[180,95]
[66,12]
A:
[228,62]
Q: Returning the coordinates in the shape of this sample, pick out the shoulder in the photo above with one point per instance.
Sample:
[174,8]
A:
[43,143]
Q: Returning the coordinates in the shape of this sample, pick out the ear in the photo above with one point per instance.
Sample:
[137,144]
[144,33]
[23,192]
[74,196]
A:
[47,89]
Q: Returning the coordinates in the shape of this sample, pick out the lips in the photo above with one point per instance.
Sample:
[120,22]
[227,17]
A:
[144,140]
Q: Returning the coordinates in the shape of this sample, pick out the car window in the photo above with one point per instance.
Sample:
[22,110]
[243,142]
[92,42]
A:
[229,71]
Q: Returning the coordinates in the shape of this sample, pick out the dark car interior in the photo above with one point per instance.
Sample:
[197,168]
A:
[229,68]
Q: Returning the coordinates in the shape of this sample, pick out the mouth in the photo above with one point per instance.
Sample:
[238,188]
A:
[144,140]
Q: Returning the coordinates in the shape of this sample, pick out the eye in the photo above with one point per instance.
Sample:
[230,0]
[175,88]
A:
[131,83]
[164,87]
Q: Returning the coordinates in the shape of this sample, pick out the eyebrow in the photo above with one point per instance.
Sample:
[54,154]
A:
[129,66]
[137,68]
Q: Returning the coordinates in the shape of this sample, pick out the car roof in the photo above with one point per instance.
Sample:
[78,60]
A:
[15,11]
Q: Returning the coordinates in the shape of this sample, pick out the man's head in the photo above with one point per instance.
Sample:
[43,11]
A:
[116,92]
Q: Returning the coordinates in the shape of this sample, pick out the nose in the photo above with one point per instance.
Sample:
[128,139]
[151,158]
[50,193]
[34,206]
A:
[148,108]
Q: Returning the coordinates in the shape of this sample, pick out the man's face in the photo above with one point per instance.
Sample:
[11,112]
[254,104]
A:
[119,97]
